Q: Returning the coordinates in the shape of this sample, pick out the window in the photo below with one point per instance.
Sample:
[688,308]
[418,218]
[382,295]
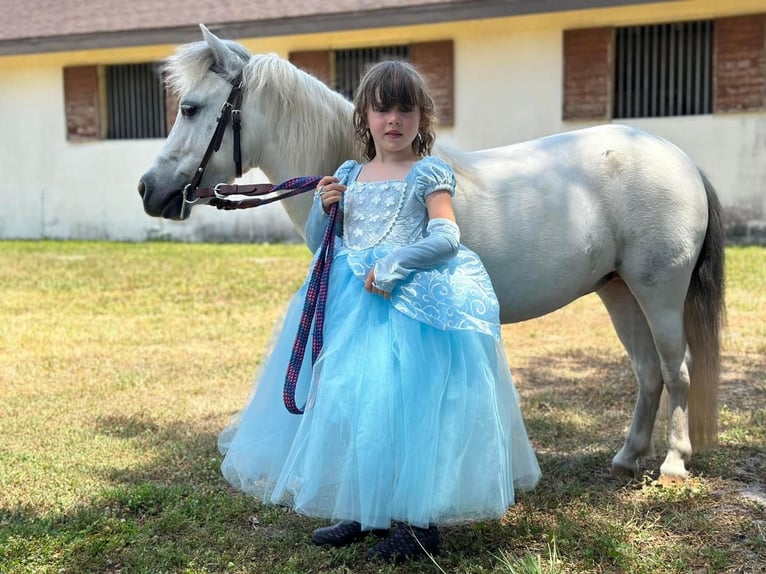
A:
[135,102]
[663,70]
[342,69]
[127,101]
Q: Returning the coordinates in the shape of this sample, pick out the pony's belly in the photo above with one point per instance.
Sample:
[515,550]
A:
[523,302]
[533,280]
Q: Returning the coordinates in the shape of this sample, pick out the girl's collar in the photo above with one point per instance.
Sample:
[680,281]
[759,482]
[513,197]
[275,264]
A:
[407,175]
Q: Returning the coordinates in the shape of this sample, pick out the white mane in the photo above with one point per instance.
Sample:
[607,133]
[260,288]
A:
[306,109]
[189,64]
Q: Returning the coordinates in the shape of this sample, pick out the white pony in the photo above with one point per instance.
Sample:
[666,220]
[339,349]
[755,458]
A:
[610,209]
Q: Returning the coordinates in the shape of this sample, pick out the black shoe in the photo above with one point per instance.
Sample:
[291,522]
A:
[406,542]
[342,534]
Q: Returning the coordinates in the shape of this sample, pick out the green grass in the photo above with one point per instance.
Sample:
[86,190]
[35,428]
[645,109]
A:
[120,363]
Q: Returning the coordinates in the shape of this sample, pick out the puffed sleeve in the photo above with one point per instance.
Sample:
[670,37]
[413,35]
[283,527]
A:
[317,220]
[433,174]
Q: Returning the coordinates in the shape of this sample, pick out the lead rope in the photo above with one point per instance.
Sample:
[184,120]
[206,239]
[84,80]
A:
[313,311]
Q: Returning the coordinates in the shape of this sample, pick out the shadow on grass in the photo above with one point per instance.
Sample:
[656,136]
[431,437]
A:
[176,514]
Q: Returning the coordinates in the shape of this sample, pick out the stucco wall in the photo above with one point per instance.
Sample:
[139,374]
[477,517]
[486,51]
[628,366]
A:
[507,89]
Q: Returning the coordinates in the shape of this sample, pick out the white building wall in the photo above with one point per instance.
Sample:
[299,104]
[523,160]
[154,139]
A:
[508,88]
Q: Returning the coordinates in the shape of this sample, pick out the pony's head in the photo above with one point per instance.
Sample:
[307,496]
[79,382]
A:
[201,74]
[292,124]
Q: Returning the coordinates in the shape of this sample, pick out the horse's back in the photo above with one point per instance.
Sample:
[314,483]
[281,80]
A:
[553,218]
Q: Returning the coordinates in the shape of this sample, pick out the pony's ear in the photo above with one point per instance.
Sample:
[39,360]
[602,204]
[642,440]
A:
[225,58]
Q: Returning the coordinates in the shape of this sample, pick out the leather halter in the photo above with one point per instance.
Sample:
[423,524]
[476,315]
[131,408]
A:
[231,108]
[192,193]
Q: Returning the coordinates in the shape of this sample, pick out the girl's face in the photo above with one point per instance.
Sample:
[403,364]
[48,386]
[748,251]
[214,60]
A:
[393,130]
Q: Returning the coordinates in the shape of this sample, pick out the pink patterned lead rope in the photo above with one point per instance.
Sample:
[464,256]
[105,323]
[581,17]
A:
[218,194]
[313,312]
[303,183]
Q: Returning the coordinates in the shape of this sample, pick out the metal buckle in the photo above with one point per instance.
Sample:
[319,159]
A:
[216,190]
[188,201]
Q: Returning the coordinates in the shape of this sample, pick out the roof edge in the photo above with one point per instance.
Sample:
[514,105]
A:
[319,23]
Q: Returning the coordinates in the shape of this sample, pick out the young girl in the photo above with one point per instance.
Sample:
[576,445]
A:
[411,415]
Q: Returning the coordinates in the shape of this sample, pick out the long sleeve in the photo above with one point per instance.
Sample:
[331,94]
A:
[315,225]
[317,219]
[441,243]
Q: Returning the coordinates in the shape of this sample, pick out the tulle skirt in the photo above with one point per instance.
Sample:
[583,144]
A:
[403,421]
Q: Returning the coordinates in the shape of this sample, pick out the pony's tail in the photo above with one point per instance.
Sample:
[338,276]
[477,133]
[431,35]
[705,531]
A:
[704,317]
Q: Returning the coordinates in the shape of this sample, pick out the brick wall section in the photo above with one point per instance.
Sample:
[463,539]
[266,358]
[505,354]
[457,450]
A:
[315,62]
[81,102]
[740,64]
[588,73]
[436,62]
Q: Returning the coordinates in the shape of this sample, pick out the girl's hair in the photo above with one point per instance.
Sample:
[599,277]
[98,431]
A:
[390,83]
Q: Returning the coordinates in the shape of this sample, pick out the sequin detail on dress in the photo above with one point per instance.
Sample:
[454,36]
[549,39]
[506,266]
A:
[371,210]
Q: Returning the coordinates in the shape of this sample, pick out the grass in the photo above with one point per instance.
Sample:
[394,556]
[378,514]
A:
[120,363]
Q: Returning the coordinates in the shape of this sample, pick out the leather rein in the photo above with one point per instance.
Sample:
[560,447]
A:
[217,195]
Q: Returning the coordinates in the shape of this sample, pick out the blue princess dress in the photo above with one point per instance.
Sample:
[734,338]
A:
[411,414]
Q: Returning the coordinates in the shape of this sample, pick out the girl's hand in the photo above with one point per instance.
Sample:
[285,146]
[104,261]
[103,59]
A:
[329,190]
[369,285]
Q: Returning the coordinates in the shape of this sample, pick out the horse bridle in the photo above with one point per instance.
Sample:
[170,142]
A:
[231,108]
[217,195]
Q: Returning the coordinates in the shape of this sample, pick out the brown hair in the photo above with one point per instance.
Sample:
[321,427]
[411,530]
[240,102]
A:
[389,83]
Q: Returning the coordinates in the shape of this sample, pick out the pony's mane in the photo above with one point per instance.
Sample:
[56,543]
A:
[189,64]
[302,104]
[302,97]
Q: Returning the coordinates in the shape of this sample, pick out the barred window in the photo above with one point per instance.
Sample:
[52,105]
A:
[350,65]
[664,70]
[127,101]
[135,102]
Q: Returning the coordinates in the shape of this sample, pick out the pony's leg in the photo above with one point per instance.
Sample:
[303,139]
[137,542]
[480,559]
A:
[662,303]
[634,333]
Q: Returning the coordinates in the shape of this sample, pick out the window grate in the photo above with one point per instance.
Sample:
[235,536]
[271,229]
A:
[135,102]
[663,70]
[350,65]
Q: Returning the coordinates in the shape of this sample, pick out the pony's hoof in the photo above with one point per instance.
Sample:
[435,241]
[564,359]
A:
[673,470]
[619,471]
[669,480]
[622,468]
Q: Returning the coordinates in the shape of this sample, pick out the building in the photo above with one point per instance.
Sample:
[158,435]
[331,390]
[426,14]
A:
[692,71]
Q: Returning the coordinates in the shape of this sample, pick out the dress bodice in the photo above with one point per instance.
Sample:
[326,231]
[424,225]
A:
[391,212]
[381,217]
[377,212]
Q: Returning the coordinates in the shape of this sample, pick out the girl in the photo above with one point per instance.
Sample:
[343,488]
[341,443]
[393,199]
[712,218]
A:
[411,414]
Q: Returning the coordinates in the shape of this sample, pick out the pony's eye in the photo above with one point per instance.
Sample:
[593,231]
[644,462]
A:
[188,110]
